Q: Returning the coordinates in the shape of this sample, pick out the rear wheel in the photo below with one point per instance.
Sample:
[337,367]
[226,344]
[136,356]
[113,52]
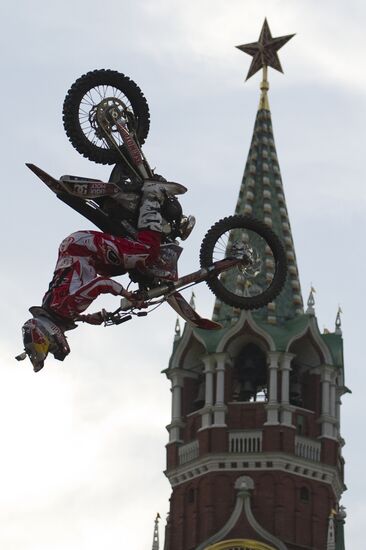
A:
[94,96]
[245,286]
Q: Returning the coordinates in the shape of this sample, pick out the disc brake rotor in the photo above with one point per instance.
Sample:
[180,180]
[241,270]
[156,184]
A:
[250,276]
[103,116]
[252,263]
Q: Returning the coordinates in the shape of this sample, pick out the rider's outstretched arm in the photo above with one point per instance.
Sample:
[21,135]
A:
[77,302]
[74,304]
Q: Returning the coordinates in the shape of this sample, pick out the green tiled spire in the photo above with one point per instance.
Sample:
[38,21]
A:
[262,196]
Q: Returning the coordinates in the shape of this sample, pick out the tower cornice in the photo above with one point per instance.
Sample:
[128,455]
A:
[258,462]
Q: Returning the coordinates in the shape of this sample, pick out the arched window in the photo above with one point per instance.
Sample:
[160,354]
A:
[296,389]
[193,393]
[304,494]
[250,375]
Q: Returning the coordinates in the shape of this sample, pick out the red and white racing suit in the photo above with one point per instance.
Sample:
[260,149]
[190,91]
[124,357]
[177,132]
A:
[85,262]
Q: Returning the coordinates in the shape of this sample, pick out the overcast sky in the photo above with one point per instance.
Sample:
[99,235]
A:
[82,443]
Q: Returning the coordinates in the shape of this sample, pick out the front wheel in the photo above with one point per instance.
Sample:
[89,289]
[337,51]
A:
[244,286]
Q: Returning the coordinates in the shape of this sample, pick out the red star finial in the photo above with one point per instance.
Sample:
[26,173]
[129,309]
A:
[264,51]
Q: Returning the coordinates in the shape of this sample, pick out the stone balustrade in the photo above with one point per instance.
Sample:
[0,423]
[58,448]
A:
[245,441]
[188,452]
[307,448]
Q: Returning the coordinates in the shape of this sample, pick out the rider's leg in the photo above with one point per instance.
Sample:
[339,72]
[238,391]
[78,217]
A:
[129,254]
[149,234]
[107,251]
[150,215]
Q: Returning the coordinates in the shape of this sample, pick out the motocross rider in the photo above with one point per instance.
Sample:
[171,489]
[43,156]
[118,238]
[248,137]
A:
[85,263]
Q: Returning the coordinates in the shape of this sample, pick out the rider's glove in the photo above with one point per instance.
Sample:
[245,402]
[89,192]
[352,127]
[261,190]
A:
[134,298]
[92,318]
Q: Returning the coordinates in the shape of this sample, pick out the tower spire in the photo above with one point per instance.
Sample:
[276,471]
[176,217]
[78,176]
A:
[261,193]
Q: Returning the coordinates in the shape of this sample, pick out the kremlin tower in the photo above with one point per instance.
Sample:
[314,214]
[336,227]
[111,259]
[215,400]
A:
[254,456]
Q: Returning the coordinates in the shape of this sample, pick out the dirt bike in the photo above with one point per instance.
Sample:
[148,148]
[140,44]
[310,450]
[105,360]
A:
[106,118]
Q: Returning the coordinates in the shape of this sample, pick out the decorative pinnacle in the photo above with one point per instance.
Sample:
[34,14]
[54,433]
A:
[338,322]
[311,302]
[192,302]
[155,545]
[264,52]
[177,330]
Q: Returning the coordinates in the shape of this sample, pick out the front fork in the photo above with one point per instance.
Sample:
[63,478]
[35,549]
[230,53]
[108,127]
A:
[187,280]
[139,165]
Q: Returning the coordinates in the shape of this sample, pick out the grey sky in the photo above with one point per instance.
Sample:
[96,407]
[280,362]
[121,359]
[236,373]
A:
[82,443]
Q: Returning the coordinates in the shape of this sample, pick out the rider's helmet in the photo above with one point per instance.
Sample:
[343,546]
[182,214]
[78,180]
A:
[171,209]
[41,336]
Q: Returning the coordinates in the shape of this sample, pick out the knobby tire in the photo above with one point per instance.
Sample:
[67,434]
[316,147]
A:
[271,239]
[71,113]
